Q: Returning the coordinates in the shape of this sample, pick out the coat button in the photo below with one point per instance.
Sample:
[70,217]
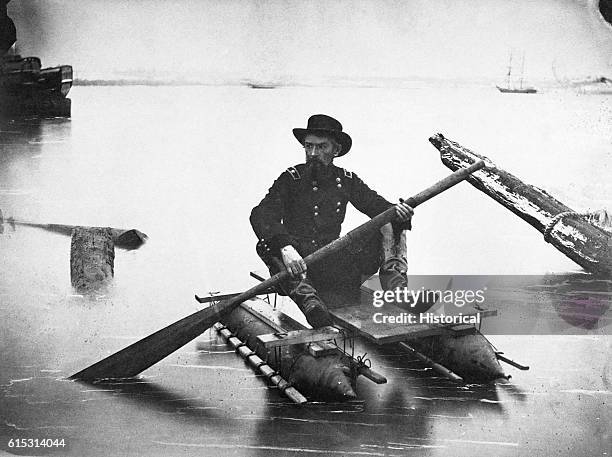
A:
[315,188]
[316,207]
[338,210]
[338,180]
[316,213]
[339,185]
[314,242]
[338,203]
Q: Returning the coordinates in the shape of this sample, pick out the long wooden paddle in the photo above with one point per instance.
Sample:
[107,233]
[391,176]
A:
[141,355]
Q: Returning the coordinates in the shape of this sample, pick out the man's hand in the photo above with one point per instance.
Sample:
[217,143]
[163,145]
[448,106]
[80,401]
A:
[293,261]
[404,211]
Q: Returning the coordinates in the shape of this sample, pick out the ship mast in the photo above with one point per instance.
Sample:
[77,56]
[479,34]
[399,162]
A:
[509,71]
[522,69]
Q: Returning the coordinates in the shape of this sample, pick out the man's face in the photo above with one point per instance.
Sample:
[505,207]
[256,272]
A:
[319,148]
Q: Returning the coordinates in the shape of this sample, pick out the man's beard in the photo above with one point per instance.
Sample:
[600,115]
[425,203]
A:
[318,168]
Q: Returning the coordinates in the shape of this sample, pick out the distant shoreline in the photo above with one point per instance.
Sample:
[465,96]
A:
[143,82]
[382,83]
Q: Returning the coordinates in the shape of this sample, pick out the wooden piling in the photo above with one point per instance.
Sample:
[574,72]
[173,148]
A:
[92,258]
[586,244]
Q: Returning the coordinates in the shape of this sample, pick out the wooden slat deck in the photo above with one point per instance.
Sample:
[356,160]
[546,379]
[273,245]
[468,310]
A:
[271,340]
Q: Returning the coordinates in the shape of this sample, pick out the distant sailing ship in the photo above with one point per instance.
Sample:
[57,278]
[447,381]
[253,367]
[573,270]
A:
[513,89]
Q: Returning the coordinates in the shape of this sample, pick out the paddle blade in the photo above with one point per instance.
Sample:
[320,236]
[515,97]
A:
[144,353]
[141,355]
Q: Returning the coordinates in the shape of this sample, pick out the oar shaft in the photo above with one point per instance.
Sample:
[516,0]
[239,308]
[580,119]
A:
[389,215]
[444,184]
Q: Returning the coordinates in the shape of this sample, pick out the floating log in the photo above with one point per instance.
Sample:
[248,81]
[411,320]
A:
[327,377]
[92,251]
[92,257]
[586,244]
[122,238]
[128,239]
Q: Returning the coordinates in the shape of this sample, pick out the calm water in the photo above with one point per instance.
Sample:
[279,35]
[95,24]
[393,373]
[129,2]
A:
[185,165]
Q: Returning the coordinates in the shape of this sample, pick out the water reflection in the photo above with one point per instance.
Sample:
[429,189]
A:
[29,150]
[581,300]
[31,135]
[411,405]
[149,395]
[550,304]
[20,142]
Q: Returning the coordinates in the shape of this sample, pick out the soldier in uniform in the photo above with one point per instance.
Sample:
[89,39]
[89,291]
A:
[303,211]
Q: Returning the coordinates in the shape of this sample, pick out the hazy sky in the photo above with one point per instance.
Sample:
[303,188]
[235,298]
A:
[312,39]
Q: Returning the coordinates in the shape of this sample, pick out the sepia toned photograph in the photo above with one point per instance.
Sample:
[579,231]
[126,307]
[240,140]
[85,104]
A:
[305,228]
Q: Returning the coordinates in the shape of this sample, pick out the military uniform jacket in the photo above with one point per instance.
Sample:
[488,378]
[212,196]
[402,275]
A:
[307,212]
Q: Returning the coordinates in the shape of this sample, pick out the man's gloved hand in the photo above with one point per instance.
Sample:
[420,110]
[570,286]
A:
[404,211]
[293,261]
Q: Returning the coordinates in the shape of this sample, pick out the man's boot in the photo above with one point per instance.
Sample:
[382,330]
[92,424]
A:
[393,271]
[305,296]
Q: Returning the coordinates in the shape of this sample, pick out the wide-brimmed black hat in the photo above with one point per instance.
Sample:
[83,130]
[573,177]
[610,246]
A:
[321,124]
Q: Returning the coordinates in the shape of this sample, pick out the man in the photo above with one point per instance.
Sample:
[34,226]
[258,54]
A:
[303,211]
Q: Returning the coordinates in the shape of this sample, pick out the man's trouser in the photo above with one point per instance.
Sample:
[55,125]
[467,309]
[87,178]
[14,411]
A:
[394,268]
[335,281]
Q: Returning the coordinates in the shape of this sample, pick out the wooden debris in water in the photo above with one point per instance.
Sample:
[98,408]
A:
[585,243]
[92,259]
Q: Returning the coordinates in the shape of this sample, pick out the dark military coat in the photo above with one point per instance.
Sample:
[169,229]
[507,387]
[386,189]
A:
[307,211]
